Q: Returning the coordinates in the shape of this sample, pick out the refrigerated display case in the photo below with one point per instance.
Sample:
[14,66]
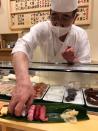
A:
[56,83]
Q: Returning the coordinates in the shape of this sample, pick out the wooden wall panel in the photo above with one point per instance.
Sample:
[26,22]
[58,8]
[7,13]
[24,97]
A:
[25,13]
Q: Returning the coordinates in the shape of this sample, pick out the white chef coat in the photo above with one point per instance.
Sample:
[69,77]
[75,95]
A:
[51,47]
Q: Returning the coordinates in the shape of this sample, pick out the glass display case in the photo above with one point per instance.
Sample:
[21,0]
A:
[56,82]
[59,86]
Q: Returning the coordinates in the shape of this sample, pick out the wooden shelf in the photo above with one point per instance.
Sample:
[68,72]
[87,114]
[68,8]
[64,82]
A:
[26,14]
[84,4]
[7,42]
[30,10]
[5,49]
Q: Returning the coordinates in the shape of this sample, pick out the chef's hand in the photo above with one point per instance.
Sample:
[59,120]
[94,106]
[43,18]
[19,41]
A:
[22,96]
[69,54]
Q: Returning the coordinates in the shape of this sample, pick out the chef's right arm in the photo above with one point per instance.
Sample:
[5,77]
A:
[21,55]
[23,92]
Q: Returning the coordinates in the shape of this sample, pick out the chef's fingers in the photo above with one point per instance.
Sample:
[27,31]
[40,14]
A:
[19,108]
[68,47]
[29,103]
[13,102]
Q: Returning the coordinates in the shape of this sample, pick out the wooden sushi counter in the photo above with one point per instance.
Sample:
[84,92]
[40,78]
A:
[10,125]
[91,125]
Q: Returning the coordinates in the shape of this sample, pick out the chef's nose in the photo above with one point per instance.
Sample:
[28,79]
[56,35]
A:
[60,23]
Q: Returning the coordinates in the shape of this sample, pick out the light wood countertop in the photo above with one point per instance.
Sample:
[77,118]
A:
[88,125]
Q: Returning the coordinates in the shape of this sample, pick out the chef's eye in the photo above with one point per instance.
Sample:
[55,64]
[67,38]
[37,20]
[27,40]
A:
[66,17]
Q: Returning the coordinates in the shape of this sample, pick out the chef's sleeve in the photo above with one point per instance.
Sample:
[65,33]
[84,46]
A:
[27,43]
[83,54]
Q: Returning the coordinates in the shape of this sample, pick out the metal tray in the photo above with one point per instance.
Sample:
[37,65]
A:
[87,104]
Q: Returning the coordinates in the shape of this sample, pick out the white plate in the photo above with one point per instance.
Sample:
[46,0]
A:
[78,98]
[55,93]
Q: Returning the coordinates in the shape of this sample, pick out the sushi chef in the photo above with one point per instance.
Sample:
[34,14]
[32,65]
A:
[59,41]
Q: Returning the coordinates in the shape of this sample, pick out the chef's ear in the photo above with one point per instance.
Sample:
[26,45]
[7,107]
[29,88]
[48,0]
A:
[50,11]
[50,14]
[75,17]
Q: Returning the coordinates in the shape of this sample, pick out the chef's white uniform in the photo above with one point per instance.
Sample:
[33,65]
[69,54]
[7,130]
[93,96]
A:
[51,47]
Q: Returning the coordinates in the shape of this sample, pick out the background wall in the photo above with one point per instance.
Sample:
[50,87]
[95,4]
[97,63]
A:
[92,30]
[4,28]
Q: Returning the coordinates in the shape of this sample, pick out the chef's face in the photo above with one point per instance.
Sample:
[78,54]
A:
[62,19]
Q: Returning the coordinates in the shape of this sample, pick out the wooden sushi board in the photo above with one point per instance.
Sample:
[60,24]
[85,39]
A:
[10,125]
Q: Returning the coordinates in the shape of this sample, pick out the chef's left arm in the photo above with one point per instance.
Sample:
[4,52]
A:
[80,52]
[83,53]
